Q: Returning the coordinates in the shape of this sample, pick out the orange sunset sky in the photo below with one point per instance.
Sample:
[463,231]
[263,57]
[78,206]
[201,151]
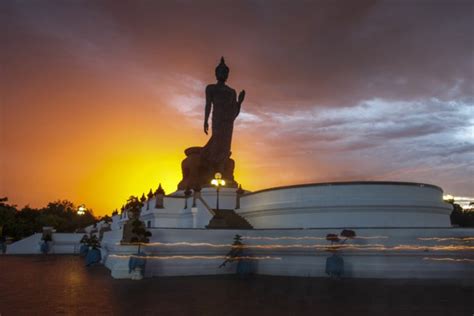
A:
[100,99]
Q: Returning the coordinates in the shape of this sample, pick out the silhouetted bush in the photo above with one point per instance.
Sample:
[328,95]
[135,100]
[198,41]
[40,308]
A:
[460,217]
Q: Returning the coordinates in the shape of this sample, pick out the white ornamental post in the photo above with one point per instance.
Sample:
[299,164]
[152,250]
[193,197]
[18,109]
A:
[194,211]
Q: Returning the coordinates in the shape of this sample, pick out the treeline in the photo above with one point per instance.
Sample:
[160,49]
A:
[62,215]
[460,217]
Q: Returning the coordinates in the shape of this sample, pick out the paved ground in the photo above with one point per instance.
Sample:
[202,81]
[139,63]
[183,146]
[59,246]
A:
[51,285]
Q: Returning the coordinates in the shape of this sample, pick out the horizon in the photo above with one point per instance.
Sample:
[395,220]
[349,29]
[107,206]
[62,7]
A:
[100,100]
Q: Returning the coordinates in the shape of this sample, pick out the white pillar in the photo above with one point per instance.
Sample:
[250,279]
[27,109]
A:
[194,211]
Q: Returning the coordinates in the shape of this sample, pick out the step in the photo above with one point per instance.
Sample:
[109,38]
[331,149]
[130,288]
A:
[228,219]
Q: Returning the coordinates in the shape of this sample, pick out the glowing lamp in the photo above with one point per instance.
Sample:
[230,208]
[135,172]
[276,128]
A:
[218,181]
[81,210]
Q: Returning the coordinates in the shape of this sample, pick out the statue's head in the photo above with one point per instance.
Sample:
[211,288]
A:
[222,71]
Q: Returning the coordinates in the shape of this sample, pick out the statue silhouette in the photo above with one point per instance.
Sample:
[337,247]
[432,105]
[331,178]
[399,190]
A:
[202,163]
[225,109]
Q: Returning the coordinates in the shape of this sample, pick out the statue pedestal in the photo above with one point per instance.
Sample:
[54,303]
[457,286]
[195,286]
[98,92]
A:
[198,174]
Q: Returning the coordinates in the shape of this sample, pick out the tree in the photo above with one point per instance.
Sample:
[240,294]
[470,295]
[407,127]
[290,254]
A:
[3,200]
[60,214]
[93,255]
[93,242]
[239,254]
[235,252]
[460,217]
[335,263]
[27,223]
[140,234]
[456,214]
[134,205]
[7,217]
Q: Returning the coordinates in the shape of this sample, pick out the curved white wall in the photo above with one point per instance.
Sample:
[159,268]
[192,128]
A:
[174,214]
[437,253]
[63,243]
[347,204]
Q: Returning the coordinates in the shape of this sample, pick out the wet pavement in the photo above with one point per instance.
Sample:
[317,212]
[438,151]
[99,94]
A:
[62,285]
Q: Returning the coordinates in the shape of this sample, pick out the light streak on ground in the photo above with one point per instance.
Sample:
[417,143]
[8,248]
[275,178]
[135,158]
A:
[433,248]
[284,238]
[272,246]
[177,244]
[450,259]
[323,247]
[306,238]
[314,246]
[177,257]
[447,238]
[377,247]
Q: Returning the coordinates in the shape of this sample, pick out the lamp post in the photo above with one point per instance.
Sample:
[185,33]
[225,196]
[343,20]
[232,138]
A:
[217,182]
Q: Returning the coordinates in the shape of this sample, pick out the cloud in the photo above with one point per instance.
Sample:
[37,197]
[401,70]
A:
[377,139]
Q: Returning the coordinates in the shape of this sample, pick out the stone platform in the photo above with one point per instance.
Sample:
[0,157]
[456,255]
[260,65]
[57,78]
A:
[198,173]
[402,231]
[347,204]
[439,253]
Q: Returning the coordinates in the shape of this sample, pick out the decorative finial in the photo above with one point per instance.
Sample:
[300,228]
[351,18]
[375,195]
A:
[222,64]
[240,191]
[143,198]
[150,194]
[222,71]
[160,190]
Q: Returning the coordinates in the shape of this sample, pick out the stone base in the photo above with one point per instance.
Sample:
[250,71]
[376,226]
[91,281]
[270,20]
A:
[198,174]
[437,253]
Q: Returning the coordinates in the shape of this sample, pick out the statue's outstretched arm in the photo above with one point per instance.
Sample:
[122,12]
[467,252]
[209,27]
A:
[239,102]
[207,110]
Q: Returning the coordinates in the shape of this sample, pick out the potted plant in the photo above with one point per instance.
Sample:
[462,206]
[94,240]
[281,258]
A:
[84,249]
[45,248]
[335,263]
[236,253]
[136,264]
[141,234]
[93,254]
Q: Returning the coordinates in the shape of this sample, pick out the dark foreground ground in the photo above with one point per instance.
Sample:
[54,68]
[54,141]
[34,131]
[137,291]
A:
[51,285]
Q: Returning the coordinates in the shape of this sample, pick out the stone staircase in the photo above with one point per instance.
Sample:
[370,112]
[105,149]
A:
[228,219]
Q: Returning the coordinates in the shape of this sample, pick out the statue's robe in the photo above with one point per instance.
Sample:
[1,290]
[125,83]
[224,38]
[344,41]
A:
[224,111]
